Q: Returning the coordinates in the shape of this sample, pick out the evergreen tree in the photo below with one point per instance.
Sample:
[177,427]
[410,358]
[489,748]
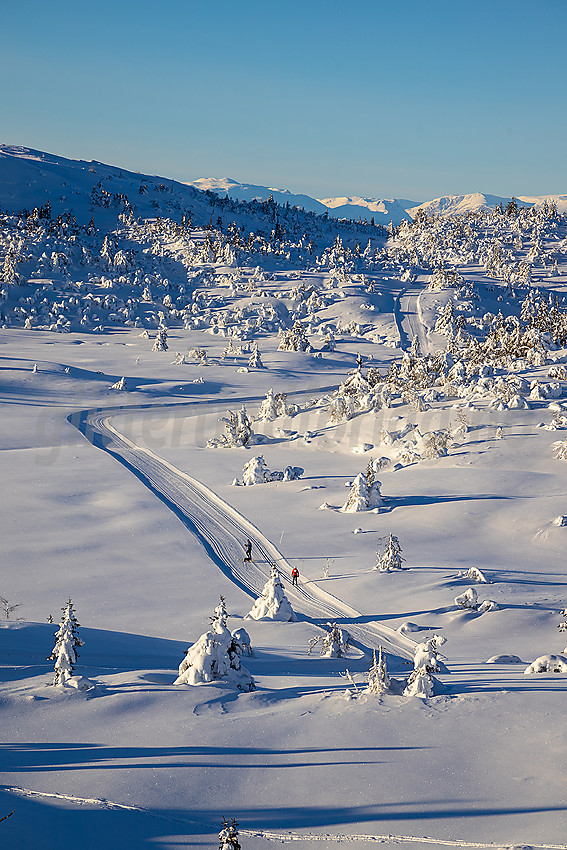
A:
[66,642]
[378,678]
[391,558]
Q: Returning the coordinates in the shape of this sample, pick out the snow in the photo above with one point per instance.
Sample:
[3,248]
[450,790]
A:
[114,499]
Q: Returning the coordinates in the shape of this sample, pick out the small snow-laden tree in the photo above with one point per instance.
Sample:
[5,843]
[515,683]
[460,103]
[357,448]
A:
[219,616]
[445,323]
[294,339]
[273,604]
[560,450]
[66,642]
[335,643]
[426,654]
[363,496]
[160,343]
[421,683]
[255,361]
[216,655]
[269,408]
[256,472]
[563,626]
[238,431]
[341,409]
[378,678]
[391,558]
[435,444]
[329,342]
[228,836]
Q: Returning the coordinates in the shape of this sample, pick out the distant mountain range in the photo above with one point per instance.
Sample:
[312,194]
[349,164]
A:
[382,210]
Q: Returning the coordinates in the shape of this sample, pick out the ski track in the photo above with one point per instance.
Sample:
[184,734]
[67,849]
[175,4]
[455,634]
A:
[278,836]
[222,529]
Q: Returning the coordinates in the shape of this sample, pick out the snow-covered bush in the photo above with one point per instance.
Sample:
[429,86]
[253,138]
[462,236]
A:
[474,574]
[334,643]
[216,655]
[548,664]
[364,495]
[273,604]
[256,472]
[391,558]
[66,642]
[468,599]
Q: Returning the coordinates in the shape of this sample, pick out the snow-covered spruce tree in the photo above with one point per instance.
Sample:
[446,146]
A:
[363,496]
[161,340]
[378,678]
[269,408]
[563,626]
[238,431]
[228,836]
[216,655]
[294,339]
[256,472]
[421,682]
[334,643]
[255,361]
[273,604]
[66,642]
[391,557]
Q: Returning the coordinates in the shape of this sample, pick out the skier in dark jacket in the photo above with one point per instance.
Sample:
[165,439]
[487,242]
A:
[248,550]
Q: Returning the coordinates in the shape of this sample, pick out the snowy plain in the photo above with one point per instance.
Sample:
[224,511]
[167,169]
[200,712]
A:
[98,507]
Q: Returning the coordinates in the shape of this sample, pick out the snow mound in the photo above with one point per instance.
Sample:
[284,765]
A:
[548,664]
[504,659]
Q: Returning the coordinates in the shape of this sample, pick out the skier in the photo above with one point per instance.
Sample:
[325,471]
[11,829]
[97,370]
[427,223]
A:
[294,576]
[248,549]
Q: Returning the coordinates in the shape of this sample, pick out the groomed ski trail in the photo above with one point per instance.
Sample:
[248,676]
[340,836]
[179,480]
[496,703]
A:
[283,837]
[222,530]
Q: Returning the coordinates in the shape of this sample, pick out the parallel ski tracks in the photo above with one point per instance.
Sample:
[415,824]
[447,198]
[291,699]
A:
[222,530]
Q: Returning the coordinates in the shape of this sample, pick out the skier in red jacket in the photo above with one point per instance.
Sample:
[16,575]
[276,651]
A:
[294,576]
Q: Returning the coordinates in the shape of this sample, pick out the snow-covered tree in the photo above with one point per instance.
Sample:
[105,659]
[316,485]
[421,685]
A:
[363,496]
[238,431]
[66,642]
[228,836]
[421,682]
[269,408]
[256,471]
[216,655]
[255,361]
[378,678]
[294,339]
[334,643]
[273,604]
[391,558]
[161,340]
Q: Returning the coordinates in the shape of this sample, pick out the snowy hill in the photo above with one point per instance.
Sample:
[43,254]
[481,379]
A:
[251,192]
[83,189]
[383,211]
[464,204]
[190,378]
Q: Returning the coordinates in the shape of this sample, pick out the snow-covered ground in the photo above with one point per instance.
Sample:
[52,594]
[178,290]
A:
[114,498]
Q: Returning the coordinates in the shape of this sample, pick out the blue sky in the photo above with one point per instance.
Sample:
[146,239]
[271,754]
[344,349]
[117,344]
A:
[374,98]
